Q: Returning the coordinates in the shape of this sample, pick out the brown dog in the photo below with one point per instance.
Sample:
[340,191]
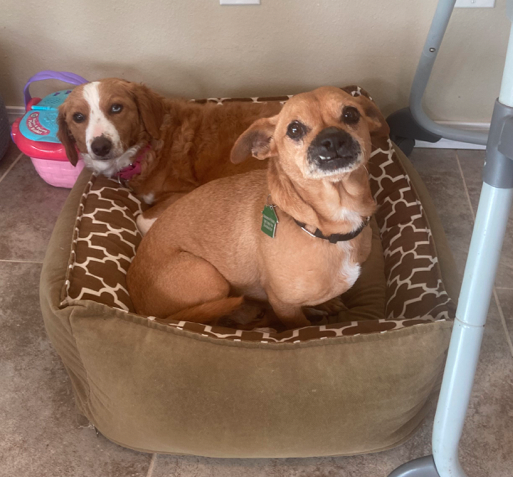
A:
[207,250]
[176,145]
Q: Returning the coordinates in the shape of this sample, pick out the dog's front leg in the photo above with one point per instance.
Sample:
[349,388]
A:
[290,315]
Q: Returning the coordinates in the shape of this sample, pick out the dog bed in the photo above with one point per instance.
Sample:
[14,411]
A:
[361,383]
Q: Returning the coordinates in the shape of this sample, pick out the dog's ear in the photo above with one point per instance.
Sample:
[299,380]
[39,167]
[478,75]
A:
[150,106]
[66,137]
[378,126]
[256,141]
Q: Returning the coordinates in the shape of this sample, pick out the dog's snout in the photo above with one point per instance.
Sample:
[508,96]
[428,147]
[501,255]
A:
[334,142]
[101,146]
[332,150]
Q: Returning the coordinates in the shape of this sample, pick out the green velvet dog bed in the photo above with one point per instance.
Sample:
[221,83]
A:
[362,383]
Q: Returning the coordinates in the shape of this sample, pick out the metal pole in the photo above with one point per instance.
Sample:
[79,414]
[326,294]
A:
[484,255]
[483,260]
[424,68]
[463,356]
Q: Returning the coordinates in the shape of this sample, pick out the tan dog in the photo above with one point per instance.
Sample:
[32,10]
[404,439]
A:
[177,145]
[207,250]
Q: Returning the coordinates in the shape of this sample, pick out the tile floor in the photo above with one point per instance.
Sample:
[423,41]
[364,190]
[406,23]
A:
[39,432]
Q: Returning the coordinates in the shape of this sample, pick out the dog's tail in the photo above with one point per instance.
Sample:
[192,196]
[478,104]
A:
[206,312]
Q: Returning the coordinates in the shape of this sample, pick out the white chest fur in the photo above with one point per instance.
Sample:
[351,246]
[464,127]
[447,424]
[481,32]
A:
[349,270]
[347,215]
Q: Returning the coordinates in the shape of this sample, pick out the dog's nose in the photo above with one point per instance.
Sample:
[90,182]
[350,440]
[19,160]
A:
[333,142]
[101,146]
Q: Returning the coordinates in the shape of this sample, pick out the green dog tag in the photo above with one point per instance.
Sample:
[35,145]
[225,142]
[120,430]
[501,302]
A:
[269,221]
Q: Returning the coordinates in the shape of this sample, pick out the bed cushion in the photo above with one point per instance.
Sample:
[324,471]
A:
[405,274]
[360,383]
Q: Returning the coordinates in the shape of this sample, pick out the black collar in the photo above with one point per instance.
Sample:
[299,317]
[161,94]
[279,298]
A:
[334,238]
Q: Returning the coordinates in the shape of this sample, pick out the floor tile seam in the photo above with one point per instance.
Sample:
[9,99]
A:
[466,189]
[494,291]
[152,465]
[11,166]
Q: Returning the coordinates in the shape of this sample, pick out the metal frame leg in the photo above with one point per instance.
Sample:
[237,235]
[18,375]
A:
[427,60]
[410,124]
[482,263]
[423,467]
[484,255]
[463,356]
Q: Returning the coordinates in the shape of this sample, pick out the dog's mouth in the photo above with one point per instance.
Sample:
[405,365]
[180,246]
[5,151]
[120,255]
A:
[333,151]
[108,158]
[112,163]
[336,163]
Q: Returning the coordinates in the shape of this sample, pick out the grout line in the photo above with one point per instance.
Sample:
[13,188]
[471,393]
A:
[504,288]
[11,166]
[20,261]
[495,296]
[152,465]
[465,187]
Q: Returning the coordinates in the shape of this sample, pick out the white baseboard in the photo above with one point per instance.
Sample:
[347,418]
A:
[449,144]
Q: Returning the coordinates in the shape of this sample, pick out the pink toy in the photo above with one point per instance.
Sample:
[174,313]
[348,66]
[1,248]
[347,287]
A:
[36,133]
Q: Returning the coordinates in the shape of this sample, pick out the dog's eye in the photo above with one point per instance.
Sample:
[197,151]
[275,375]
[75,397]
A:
[116,108]
[350,115]
[296,130]
[79,118]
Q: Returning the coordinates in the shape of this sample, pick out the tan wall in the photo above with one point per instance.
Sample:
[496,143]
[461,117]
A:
[197,48]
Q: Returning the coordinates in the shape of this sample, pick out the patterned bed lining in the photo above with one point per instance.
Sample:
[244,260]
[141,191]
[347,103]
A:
[106,237]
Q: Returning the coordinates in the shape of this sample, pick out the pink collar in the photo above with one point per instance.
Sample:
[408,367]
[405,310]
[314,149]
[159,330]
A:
[133,169]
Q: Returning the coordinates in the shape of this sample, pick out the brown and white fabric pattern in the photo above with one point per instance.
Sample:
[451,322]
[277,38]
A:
[106,238]
[104,244]
[414,283]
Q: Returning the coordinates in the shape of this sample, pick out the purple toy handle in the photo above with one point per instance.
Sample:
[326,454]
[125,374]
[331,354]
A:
[65,76]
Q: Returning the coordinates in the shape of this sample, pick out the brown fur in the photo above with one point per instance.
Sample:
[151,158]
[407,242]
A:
[191,142]
[207,247]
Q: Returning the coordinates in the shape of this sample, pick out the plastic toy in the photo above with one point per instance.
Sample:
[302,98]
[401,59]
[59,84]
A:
[35,134]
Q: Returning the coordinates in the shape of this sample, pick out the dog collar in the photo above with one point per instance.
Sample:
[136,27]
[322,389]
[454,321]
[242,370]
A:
[134,168]
[334,238]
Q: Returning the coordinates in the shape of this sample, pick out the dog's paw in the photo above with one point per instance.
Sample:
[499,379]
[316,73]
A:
[248,313]
[316,316]
[248,316]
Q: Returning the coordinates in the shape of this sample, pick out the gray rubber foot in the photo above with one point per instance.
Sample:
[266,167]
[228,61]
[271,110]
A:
[404,131]
[423,467]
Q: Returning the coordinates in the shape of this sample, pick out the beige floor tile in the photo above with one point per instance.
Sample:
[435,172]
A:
[10,157]
[39,432]
[29,208]
[505,296]
[439,170]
